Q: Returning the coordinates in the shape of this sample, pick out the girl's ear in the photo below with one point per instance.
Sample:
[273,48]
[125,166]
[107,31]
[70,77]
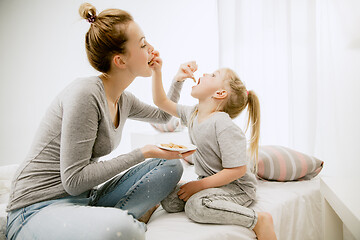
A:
[220,94]
[119,61]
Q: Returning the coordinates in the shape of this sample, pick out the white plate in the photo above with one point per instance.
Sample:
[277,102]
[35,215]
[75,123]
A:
[188,147]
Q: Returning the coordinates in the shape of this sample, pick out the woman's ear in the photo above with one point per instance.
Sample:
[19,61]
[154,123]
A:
[119,61]
[220,94]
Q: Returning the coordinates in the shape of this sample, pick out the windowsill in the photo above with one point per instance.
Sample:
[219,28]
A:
[341,205]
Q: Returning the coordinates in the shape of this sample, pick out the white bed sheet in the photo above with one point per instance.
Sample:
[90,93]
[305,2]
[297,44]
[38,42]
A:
[295,207]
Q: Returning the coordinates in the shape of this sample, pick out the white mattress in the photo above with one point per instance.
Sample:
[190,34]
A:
[295,207]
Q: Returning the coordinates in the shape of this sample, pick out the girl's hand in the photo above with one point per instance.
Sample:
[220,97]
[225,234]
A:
[152,151]
[156,62]
[186,70]
[189,189]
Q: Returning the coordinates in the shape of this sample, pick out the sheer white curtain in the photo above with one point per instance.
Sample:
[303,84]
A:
[302,59]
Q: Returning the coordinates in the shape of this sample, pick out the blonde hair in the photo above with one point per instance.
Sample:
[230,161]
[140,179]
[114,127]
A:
[106,36]
[238,99]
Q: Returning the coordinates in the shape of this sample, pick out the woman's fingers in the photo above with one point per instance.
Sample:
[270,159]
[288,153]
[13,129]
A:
[166,154]
[186,154]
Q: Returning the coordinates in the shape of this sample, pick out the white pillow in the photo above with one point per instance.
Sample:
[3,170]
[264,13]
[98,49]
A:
[174,125]
[6,174]
[8,171]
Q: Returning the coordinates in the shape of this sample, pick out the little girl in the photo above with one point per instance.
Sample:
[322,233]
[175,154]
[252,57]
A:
[225,187]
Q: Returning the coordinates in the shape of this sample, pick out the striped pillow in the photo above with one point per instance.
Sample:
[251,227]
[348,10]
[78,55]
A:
[279,163]
[173,125]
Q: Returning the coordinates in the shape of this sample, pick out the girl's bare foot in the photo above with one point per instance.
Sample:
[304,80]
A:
[146,217]
[264,228]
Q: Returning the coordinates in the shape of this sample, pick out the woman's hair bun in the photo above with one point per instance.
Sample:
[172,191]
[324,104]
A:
[87,11]
[106,36]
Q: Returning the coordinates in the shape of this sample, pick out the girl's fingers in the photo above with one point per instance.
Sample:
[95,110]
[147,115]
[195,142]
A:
[192,65]
[156,53]
[180,192]
[183,196]
[191,68]
[157,59]
[187,71]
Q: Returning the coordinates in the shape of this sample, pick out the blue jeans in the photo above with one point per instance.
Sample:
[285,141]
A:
[109,212]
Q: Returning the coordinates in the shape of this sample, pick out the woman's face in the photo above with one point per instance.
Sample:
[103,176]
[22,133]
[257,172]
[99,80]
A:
[139,52]
[208,85]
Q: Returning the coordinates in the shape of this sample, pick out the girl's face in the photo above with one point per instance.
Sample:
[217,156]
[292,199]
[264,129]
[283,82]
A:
[139,52]
[208,85]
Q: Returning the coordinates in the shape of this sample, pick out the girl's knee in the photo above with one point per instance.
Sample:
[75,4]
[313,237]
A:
[195,209]
[172,203]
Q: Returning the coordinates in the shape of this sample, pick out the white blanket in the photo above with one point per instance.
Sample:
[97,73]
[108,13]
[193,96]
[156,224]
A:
[295,207]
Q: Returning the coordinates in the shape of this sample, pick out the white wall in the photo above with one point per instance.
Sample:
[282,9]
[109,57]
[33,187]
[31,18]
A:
[42,50]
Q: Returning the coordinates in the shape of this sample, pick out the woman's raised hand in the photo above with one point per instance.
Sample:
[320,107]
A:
[186,70]
[152,151]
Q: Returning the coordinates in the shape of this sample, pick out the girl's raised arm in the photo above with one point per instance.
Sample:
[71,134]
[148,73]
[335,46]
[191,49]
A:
[159,97]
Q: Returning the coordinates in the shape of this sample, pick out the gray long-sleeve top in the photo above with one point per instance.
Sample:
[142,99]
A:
[75,132]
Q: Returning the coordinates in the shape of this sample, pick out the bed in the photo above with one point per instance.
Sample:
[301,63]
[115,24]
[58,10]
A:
[295,207]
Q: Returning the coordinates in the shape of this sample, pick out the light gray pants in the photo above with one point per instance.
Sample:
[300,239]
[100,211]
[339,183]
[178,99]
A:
[222,205]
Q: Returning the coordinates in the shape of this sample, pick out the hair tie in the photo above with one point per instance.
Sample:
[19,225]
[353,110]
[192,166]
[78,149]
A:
[91,19]
[247,92]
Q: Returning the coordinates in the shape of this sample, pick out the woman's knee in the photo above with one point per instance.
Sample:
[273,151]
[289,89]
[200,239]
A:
[121,226]
[82,222]
[173,170]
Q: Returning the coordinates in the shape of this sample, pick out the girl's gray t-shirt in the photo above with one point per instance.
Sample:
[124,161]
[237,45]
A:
[220,144]
[75,132]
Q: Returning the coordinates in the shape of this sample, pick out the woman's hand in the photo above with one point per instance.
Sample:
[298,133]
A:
[186,70]
[189,189]
[156,62]
[152,151]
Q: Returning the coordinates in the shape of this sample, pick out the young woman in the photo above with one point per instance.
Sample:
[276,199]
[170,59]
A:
[225,187]
[54,192]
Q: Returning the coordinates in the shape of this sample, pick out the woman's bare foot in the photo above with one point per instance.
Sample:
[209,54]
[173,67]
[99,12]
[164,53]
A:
[264,228]
[145,218]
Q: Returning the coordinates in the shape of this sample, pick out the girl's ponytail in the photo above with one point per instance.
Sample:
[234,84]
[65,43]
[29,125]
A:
[254,117]
[239,99]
